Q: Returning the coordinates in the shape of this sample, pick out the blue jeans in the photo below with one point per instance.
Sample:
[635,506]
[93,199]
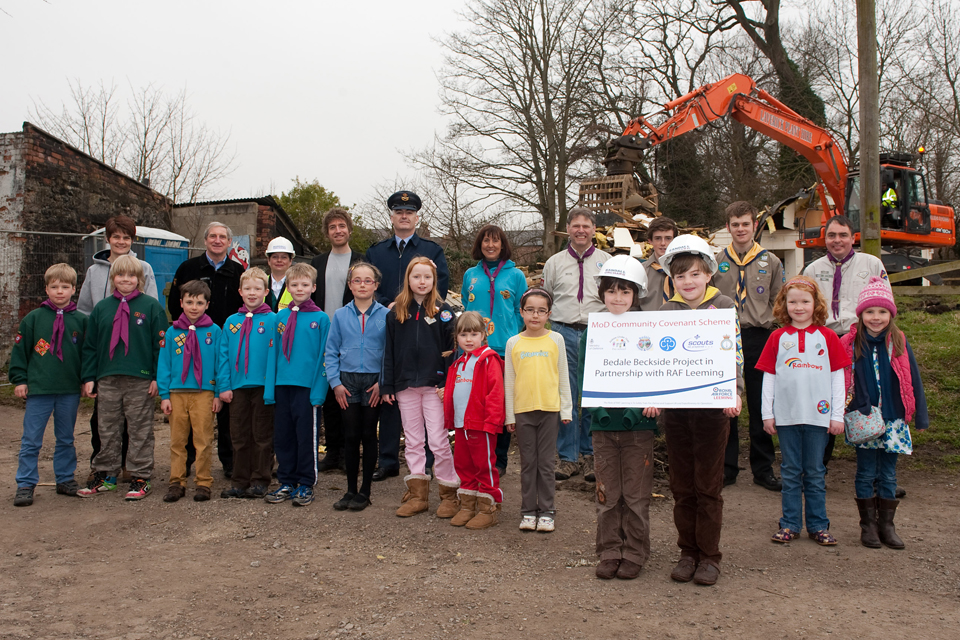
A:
[802,472]
[574,438]
[64,409]
[876,466]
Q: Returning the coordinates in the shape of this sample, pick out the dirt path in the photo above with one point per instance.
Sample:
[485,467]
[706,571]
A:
[103,568]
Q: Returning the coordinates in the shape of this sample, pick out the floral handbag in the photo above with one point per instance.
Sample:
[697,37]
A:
[859,428]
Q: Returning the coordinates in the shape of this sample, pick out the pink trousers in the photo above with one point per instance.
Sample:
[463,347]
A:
[422,414]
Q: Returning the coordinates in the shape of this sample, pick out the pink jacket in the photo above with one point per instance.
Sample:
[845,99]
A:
[901,367]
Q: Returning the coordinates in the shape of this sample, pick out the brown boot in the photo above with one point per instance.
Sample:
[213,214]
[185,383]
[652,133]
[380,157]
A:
[486,513]
[885,514]
[868,522]
[468,508]
[449,502]
[174,493]
[416,498]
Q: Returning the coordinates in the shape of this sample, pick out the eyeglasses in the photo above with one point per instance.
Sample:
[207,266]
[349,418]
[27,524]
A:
[367,281]
[535,312]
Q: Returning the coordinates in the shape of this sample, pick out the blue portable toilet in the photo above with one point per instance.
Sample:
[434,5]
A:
[161,249]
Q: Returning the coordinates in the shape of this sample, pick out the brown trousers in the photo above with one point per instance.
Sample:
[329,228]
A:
[623,464]
[251,427]
[537,440]
[125,397]
[696,439]
[192,410]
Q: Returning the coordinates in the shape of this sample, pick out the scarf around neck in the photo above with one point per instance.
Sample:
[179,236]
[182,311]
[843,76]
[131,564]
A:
[288,333]
[493,276]
[245,330]
[121,322]
[752,254]
[667,282]
[191,348]
[580,259]
[837,276]
[58,325]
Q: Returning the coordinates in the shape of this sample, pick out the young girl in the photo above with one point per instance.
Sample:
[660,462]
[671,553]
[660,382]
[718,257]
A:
[473,408]
[622,445]
[803,401]
[354,356]
[419,337]
[884,374]
[537,390]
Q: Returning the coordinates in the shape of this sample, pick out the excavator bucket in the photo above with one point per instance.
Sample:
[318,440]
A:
[619,194]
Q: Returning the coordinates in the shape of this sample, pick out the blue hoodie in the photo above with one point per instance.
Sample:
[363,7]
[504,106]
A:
[509,285]
[262,338]
[305,367]
[170,363]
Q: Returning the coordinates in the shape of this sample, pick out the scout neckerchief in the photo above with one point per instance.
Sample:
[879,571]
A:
[750,256]
[483,263]
[287,342]
[708,293]
[667,282]
[58,326]
[191,348]
[245,329]
[580,259]
[837,276]
[121,322]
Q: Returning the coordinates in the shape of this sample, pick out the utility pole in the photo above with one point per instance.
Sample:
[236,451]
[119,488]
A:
[869,127]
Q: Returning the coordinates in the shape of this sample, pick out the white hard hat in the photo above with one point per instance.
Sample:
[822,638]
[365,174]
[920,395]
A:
[688,243]
[280,245]
[624,268]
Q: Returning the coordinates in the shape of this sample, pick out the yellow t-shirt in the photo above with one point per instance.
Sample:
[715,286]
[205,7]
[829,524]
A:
[536,376]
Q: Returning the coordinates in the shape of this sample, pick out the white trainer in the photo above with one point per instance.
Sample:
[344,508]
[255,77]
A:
[545,524]
[528,523]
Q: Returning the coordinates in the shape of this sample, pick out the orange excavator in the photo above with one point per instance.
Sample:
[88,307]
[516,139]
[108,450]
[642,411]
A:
[908,217]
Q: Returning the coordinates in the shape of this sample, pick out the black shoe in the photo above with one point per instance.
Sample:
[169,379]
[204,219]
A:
[24,497]
[384,473]
[68,488]
[232,492]
[255,492]
[501,471]
[344,503]
[729,479]
[768,481]
[228,472]
[359,502]
[329,463]
[900,492]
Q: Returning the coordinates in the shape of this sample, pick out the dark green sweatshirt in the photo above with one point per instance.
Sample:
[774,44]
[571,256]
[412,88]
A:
[623,419]
[33,361]
[148,325]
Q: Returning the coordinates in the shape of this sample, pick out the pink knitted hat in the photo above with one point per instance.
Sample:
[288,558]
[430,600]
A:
[877,293]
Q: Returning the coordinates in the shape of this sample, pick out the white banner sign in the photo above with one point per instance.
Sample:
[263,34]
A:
[661,359]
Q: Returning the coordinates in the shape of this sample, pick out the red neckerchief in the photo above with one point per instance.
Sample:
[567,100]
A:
[245,330]
[121,322]
[58,325]
[191,348]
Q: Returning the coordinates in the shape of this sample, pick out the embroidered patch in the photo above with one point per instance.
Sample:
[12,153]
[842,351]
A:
[163,343]
[281,327]
[271,343]
[490,328]
[209,340]
[178,351]
[473,281]
[762,270]
[599,265]
[760,289]
[261,324]
[41,347]
[180,339]
[235,327]
[446,316]
[139,320]
[823,406]
[862,275]
[18,338]
[789,345]
[505,294]
[724,267]
[314,325]
[260,330]
[471,298]
[470,288]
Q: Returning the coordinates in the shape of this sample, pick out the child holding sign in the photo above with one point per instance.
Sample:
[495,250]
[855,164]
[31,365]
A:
[803,399]
[696,438]
[622,445]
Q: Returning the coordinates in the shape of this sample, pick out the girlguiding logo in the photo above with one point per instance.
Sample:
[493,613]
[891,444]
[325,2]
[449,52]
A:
[668,344]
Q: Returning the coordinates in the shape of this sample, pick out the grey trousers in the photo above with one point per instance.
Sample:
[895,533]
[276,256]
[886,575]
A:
[537,439]
[125,397]
[623,464]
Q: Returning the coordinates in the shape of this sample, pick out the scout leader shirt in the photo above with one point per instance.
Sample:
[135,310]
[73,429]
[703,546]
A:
[802,362]
[561,277]
[147,327]
[763,279]
[854,276]
[33,361]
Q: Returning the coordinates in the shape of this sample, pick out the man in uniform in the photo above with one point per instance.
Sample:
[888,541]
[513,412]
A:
[569,277]
[659,286]
[752,277]
[392,256]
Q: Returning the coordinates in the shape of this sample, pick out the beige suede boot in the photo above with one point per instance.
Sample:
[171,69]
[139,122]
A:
[416,498]
[449,502]
[468,507]
[487,513]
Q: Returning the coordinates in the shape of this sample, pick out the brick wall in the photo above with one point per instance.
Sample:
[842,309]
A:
[266,229]
[11,245]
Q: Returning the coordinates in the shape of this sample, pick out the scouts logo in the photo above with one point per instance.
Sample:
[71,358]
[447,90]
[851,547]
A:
[760,289]
[314,325]
[823,406]
[645,343]
[446,316]
[724,267]
[505,294]
[209,340]
[42,347]
[260,329]
[726,344]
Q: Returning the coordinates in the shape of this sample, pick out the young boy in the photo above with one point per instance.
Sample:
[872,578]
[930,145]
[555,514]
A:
[124,336]
[297,384]
[45,367]
[186,377]
[245,348]
[622,445]
[696,438]
[474,407]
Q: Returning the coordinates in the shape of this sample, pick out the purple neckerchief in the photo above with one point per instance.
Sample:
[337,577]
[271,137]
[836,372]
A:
[191,348]
[58,326]
[287,342]
[245,330]
[586,254]
[493,277]
[121,322]
[837,276]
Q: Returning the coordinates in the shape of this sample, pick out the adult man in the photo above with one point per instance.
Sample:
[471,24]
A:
[332,293]
[222,275]
[659,286]
[392,256]
[569,277]
[280,255]
[841,275]
[752,277]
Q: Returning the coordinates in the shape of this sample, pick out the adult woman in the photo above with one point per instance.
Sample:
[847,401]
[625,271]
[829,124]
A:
[493,288]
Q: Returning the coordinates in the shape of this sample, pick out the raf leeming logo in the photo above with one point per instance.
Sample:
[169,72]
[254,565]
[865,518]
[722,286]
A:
[696,343]
[726,344]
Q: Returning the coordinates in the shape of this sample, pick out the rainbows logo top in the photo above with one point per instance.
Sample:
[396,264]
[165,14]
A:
[791,361]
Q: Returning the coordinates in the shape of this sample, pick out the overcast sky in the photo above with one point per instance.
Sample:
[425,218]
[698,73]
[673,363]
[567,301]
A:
[320,89]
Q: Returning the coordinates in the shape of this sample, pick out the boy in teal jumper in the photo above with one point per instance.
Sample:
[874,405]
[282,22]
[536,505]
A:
[188,385]
[297,384]
[45,367]
[120,351]
[245,348]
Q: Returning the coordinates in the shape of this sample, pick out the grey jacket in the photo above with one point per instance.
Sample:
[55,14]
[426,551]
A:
[95,282]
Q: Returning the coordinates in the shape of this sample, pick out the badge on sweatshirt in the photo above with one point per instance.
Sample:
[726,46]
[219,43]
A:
[446,316]
[281,327]
[314,325]
[429,320]
[471,298]
[178,351]
[724,267]
[760,289]
[505,294]
[235,327]
[260,330]
[823,407]
[18,338]
[75,337]
[42,347]
[209,340]
[163,343]
[789,345]
[271,343]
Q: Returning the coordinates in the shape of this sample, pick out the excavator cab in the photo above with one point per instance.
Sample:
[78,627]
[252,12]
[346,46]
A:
[904,210]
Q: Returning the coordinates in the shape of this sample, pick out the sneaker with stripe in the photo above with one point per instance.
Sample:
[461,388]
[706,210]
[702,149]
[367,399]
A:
[302,496]
[100,483]
[281,494]
[139,489]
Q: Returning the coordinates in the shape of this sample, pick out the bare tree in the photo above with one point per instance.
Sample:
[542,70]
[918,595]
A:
[91,123]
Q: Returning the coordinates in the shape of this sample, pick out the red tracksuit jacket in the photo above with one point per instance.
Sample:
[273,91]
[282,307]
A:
[486,410]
